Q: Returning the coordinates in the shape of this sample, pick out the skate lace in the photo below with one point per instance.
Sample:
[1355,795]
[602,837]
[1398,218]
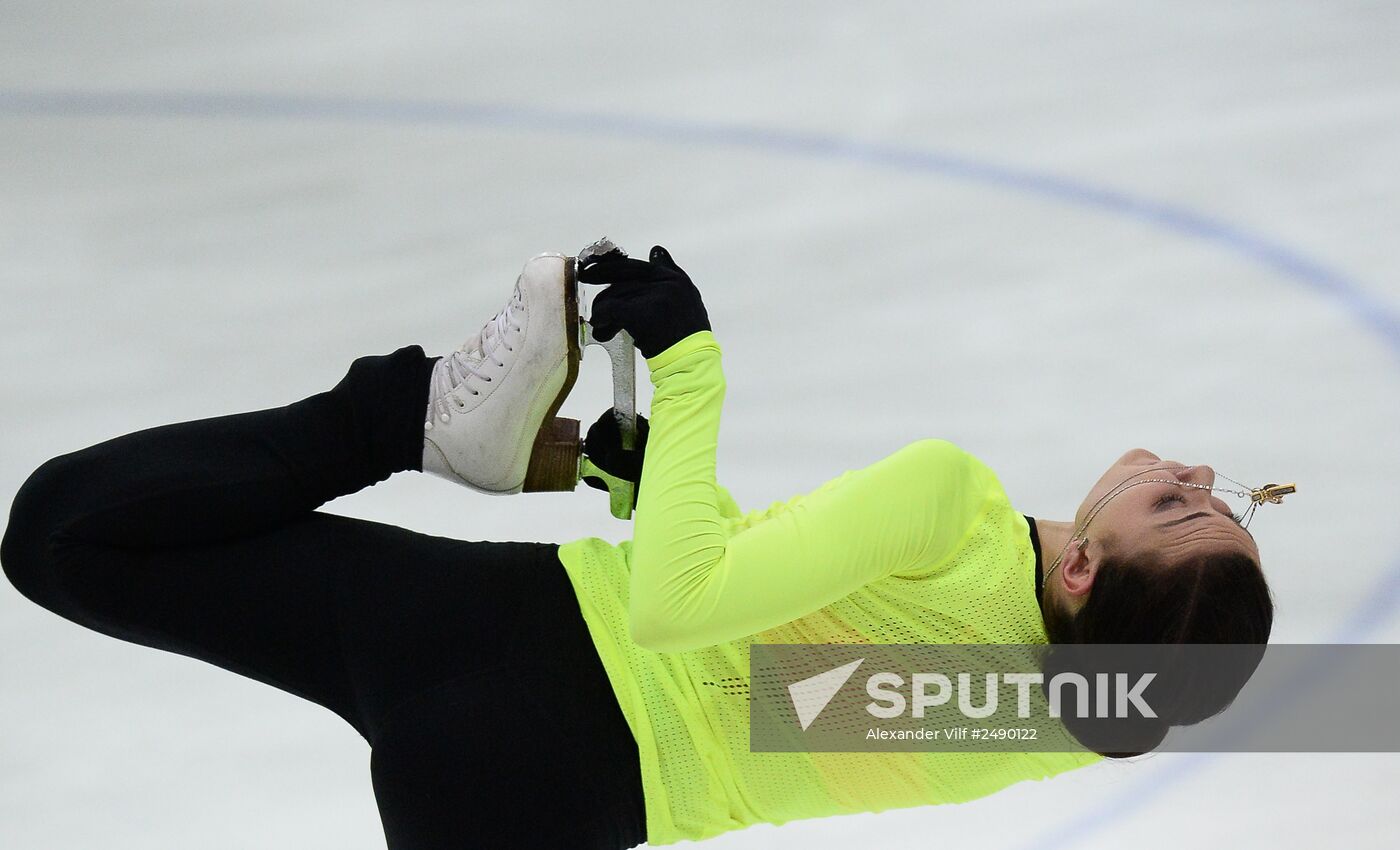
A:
[451,374]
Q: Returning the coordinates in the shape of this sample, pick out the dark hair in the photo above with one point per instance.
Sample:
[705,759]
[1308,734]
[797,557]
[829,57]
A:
[1211,598]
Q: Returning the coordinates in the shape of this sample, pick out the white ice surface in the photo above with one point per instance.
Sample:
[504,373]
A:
[160,267]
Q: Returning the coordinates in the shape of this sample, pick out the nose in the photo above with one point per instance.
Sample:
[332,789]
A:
[1200,474]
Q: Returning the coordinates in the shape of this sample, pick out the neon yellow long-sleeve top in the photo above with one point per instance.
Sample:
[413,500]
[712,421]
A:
[921,546]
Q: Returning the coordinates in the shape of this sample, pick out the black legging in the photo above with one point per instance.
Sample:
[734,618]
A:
[466,665]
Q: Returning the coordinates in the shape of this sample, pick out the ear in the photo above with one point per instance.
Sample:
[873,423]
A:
[1077,570]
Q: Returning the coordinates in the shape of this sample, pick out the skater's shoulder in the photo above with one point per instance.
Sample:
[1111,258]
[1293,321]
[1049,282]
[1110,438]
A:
[942,452]
[954,465]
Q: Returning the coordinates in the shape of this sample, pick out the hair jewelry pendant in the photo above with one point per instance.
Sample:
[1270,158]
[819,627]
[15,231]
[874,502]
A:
[1272,493]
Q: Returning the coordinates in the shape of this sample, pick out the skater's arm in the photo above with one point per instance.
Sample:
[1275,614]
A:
[699,579]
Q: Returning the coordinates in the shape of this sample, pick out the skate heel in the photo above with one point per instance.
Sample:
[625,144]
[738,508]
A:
[554,459]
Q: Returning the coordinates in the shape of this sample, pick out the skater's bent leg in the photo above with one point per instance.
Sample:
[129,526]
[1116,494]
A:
[202,539]
[217,479]
[353,615]
[189,537]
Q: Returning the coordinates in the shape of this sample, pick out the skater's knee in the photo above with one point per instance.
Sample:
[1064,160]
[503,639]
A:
[35,517]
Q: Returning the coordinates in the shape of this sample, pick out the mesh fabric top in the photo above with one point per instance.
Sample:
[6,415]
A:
[922,546]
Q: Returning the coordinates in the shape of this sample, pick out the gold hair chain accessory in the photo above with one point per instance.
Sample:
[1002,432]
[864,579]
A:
[1272,493]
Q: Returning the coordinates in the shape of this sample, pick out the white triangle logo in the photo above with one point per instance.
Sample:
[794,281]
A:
[810,696]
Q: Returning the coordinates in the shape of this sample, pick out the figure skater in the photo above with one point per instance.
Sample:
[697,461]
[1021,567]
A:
[591,694]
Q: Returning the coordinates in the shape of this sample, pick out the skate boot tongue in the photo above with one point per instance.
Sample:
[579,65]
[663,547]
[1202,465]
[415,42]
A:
[472,352]
[490,337]
[451,373]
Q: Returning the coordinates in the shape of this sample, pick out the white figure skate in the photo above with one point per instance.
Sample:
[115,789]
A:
[490,422]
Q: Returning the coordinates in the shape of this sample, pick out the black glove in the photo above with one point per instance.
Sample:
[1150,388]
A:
[603,446]
[653,301]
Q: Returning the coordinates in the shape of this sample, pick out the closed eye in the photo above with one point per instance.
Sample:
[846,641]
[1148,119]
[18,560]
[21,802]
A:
[1168,498]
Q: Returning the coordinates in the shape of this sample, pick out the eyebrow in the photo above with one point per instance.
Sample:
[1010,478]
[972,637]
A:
[1170,523]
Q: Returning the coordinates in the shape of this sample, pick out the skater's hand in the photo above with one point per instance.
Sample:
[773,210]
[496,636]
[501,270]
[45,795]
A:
[603,446]
[653,301]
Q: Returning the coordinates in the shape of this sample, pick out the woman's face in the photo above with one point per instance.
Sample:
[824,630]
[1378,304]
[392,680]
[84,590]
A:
[1174,520]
